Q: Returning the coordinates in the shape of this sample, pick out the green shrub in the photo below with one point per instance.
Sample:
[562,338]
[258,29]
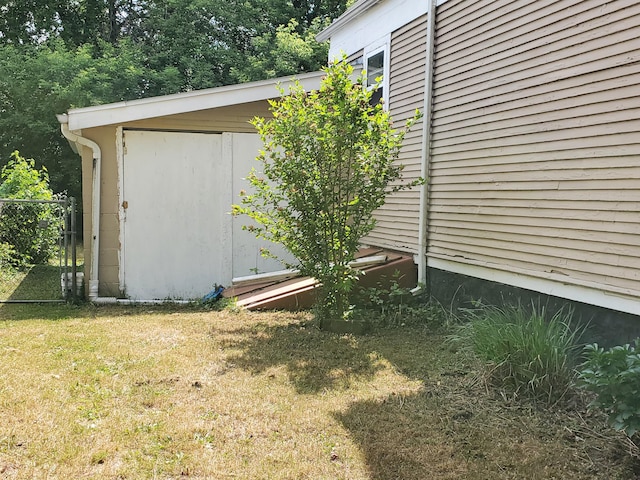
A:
[614,376]
[7,256]
[392,304]
[525,352]
[329,162]
[30,228]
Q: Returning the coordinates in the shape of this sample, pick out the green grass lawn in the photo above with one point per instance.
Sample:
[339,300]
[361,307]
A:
[159,392]
[36,282]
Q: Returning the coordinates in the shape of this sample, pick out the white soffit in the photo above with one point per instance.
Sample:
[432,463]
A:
[129,111]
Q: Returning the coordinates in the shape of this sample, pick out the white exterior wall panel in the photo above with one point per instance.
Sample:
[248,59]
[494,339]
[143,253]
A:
[357,29]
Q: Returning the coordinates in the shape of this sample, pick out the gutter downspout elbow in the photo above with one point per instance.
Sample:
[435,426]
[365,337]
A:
[423,236]
[95,200]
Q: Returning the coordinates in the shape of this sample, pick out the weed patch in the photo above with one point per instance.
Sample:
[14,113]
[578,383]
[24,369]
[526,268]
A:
[614,376]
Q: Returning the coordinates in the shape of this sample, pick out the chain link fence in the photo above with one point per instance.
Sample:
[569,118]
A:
[38,260]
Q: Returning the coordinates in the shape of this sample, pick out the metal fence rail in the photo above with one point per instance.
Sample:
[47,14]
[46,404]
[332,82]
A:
[38,259]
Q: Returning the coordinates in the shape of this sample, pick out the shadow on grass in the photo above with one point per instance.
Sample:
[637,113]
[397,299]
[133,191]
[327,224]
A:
[451,428]
[398,439]
[396,435]
[38,282]
[86,310]
[314,361]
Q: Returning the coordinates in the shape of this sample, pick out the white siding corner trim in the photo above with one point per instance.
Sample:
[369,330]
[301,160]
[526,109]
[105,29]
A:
[552,285]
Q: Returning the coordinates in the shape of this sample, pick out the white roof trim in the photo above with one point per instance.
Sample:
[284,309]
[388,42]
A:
[121,112]
[356,10]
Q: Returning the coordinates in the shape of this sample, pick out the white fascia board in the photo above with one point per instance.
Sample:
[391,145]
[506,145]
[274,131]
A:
[590,293]
[121,112]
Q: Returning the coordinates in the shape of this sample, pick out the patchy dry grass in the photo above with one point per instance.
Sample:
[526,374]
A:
[128,393]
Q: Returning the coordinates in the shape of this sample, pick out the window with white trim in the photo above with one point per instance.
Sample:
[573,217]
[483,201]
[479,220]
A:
[376,65]
[375,73]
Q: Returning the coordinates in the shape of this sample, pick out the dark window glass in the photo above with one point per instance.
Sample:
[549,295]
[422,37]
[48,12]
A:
[375,69]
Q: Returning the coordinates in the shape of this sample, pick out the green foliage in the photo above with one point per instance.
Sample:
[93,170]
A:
[213,43]
[227,304]
[525,352]
[614,376]
[21,179]
[77,22]
[283,52]
[30,229]
[328,163]
[7,260]
[392,304]
[36,84]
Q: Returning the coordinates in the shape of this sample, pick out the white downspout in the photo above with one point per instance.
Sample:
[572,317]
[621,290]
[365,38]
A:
[426,141]
[95,201]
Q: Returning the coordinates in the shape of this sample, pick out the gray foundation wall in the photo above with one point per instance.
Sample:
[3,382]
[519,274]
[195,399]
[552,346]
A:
[606,327]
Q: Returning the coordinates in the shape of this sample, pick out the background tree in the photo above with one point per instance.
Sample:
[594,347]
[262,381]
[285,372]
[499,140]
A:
[37,83]
[76,23]
[59,54]
[281,53]
[328,163]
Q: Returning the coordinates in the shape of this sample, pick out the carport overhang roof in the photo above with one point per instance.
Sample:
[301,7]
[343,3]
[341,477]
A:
[129,111]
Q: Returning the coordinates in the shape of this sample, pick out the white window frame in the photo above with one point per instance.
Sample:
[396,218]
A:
[380,45]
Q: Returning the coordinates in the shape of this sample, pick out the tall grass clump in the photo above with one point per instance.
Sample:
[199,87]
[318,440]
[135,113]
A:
[525,352]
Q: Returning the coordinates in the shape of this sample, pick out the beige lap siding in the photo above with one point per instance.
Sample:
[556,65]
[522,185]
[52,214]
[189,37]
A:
[398,219]
[536,139]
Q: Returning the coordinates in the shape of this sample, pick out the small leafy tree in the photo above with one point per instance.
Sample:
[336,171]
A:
[614,376]
[28,229]
[328,163]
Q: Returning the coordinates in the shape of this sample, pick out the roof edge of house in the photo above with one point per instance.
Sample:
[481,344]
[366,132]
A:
[140,109]
[355,11]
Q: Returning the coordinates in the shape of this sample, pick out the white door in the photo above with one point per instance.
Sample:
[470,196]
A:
[176,226]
